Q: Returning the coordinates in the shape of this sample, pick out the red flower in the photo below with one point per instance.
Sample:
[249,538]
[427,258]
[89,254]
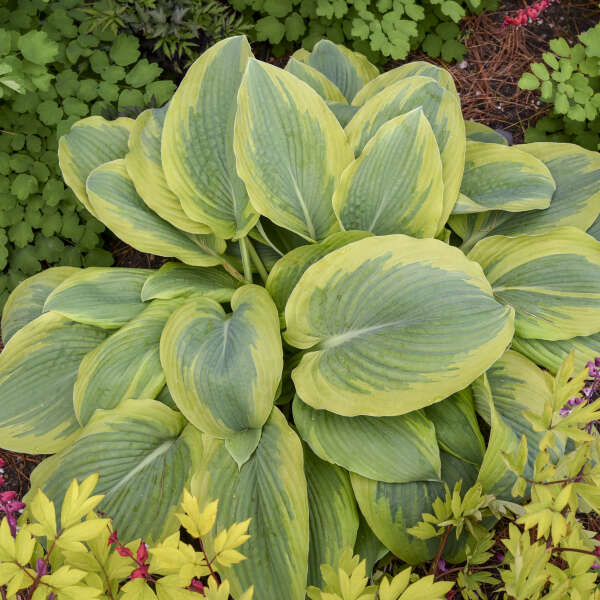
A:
[112,538]
[140,573]
[142,554]
[196,586]
[125,552]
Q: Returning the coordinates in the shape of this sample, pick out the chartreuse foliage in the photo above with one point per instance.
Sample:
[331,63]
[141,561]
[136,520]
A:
[371,334]
[53,72]
[569,80]
[381,29]
[76,554]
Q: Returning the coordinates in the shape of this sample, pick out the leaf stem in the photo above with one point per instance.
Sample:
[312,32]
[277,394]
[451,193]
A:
[263,233]
[208,563]
[258,263]
[246,259]
[438,554]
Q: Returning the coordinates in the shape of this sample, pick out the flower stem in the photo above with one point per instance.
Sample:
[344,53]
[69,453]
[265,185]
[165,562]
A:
[440,549]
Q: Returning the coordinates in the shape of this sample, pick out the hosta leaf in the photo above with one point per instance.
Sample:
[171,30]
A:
[478,132]
[174,280]
[197,141]
[287,271]
[343,112]
[348,70]
[384,340]
[26,302]
[392,449]
[126,365]
[594,229]
[392,508]
[271,490]
[456,427]
[144,166]
[499,177]
[576,201]
[395,185]
[515,384]
[283,121]
[38,368]
[102,296]
[223,369]
[118,206]
[551,354]
[368,546]
[522,271]
[385,80]
[90,143]
[317,81]
[145,454]
[333,516]
[443,112]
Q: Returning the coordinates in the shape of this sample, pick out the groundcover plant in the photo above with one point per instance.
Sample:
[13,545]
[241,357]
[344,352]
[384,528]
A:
[415,271]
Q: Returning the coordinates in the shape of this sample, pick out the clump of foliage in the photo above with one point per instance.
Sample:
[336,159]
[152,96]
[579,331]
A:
[56,74]
[79,555]
[548,552]
[380,29]
[354,257]
[178,29]
[569,80]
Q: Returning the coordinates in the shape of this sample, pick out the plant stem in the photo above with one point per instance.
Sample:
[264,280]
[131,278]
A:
[231,269]
[262,271]
[440,549]
[246,259]
[208,563]
[3,592]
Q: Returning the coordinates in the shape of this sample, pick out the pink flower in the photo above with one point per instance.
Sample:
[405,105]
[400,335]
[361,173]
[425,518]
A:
[142,554]
[125,552]
[140,573]
[527,15]
[112,538]
[197,586]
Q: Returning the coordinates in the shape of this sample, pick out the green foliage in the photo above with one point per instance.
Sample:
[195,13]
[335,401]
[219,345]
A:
[569,80]
[61,74]
[79,555]
[317,286]
[380,29]
[178,29]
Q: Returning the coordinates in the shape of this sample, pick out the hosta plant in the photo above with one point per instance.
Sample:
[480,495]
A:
[353,258]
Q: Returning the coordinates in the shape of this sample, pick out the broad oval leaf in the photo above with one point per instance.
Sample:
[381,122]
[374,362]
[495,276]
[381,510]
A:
[38,369]
[287,271]
[317,81]
[271,490]
[392,449]
[387,79]
[478,132]
[383,341]
[144,166]
[594,229]
[343,112]
[332,512]
[551,354]
[223,369]
[102,296]
[126,365]
[395,185]
[392,508]
[456,427]
[145,454]
[498,177]
[118,206]
[522,271]
[512,385]
[90,143]
[282,121]
[348,70]
[575,203]
[197,141]
[26,301]
[175,280]
[443,112]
